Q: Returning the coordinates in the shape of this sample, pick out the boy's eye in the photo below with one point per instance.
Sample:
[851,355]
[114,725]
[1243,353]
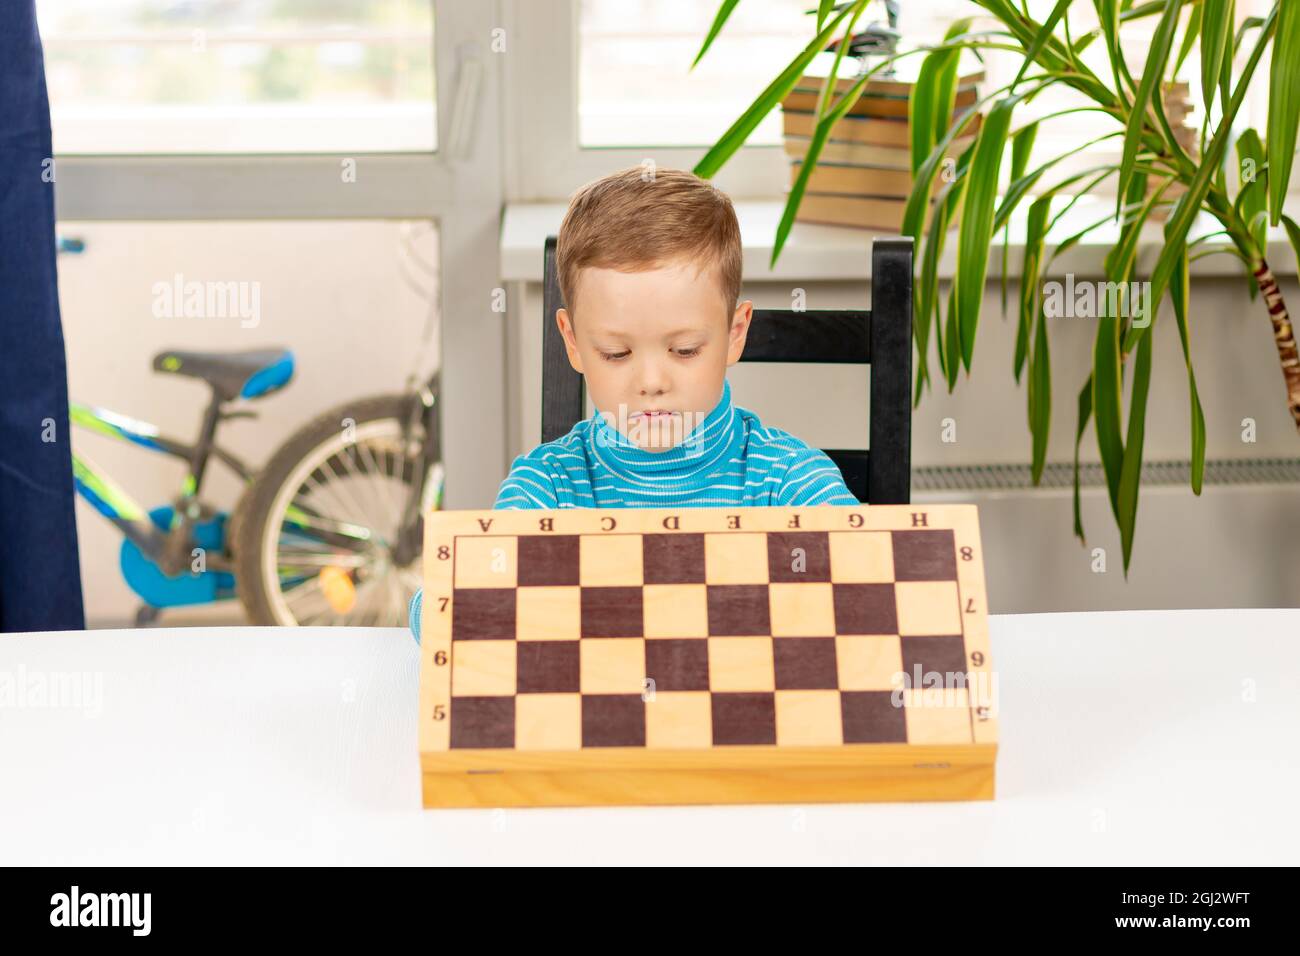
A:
[687,353]
[613,356]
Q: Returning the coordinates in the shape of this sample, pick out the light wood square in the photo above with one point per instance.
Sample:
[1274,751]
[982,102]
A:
[862,557]
[808,718]
[612,560]
[937,715]
[675,610]
[927,607]
[490,562]
[483,668]
[612,665]
[548,722]
[679,719]
[736,557]
[869,662]
[741,664]
[548,613]
[802,610]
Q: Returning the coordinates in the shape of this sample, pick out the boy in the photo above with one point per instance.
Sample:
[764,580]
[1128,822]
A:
[649,265]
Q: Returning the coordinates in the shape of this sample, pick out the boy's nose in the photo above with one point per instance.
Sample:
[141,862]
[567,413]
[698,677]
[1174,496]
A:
[653,380]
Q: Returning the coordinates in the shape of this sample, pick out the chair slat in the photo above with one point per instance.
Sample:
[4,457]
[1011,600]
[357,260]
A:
[825,335]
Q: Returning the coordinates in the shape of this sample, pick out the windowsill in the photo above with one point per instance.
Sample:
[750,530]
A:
[833,253]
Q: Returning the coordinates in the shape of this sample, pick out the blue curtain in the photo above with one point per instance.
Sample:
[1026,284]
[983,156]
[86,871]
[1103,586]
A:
[40,580]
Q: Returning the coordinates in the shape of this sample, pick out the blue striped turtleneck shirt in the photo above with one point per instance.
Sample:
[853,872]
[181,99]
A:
[730,458]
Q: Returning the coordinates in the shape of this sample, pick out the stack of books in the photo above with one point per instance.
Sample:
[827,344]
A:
[863,174]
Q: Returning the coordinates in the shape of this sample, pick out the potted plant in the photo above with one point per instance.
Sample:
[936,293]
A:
[1154,173]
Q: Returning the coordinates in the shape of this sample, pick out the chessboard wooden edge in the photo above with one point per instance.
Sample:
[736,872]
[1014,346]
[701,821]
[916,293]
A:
[960,517]
[713,785]
[772,757]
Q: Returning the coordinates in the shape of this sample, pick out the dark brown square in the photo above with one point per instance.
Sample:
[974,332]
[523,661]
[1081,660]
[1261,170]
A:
[672,558]
[805,663]
[612,612]
[547,667]
[865,609]
[744,719]
[613,720]
[546,560]
[678,663]
[482,722]
[783,556]
[870,717]
[943,655]
[924,556]
[739,610]
[482,614]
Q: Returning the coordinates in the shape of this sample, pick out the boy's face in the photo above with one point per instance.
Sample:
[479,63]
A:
[654,347]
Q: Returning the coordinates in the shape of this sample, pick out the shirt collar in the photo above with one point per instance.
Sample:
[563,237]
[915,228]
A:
[712,440]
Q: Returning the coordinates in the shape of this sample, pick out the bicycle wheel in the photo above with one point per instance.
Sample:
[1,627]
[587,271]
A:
[319,532]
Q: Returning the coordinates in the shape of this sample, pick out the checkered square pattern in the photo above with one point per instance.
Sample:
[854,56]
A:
[695,640]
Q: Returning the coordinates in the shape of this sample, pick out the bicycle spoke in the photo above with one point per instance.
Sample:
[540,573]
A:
[311,589]
[365,599]
[344,490]
[394,511]
[352,535]
[332,493]
[296,559]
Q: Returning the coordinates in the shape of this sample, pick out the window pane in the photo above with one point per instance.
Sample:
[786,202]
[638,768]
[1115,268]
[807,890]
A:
[636,87]
[239,76]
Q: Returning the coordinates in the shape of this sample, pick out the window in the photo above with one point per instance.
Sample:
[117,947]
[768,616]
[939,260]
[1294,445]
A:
[332,105]
[927,23]
[636,87]
[631,95]
[240,76]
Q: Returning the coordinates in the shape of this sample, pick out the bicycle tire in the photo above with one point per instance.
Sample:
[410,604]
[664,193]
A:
[254,508]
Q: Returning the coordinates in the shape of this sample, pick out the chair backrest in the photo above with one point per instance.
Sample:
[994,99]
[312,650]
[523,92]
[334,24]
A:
[880,337]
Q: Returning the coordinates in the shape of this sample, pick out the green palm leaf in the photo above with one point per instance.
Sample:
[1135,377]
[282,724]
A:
[1283,104]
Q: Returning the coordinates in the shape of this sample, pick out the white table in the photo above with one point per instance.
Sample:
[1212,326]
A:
[1145,737]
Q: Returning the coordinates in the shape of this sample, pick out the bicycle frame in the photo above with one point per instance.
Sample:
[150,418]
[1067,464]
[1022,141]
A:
[425,410]
[99,489]
[170,549]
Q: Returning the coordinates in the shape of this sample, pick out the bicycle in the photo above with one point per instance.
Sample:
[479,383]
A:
[330,530]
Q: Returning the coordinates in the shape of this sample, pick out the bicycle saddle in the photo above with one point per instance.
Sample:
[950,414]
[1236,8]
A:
[248,374]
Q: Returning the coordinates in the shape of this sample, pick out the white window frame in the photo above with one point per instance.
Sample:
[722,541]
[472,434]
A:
[459,186]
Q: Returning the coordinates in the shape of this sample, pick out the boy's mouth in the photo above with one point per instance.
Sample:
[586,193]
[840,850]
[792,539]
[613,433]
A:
[655,413]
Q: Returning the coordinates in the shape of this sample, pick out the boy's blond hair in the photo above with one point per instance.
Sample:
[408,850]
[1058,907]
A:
[642,217]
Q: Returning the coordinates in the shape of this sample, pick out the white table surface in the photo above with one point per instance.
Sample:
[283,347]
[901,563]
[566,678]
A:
[1142,737]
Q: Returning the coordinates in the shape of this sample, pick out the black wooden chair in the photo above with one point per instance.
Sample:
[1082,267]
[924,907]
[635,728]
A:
[880,337]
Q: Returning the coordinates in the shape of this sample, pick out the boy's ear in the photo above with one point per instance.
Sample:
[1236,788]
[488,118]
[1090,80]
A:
[570,343]
[744,314]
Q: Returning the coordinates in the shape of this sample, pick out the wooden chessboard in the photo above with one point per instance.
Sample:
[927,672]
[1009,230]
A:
[710,655]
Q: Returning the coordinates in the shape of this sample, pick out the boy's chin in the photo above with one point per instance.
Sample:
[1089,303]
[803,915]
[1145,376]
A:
[654,442]
[655,446]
